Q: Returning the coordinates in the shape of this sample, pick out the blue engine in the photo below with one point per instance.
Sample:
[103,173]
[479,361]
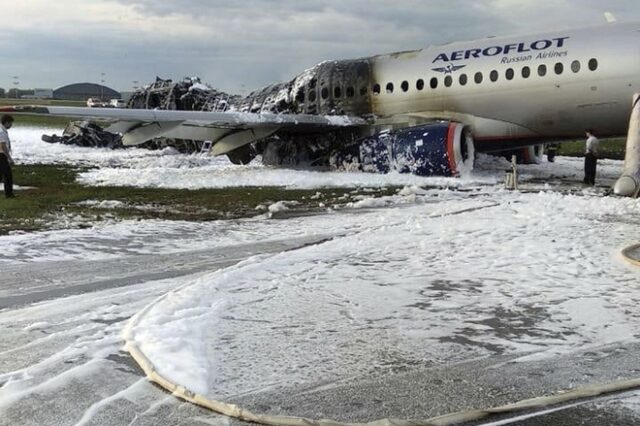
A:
[435,149]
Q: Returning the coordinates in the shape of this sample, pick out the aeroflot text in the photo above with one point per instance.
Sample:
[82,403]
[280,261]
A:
[502,50]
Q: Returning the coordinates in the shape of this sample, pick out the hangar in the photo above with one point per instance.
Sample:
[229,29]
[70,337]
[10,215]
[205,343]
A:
[83,91]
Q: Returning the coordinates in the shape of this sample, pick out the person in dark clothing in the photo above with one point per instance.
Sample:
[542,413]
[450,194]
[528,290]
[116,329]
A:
[591,158]
[6,161]
[552,151]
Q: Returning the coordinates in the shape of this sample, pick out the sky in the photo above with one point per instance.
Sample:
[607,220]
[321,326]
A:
[241,46]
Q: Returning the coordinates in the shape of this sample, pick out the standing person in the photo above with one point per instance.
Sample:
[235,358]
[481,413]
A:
[6,121]
[591,158]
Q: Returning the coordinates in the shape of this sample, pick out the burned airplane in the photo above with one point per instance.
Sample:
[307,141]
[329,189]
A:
[423,111]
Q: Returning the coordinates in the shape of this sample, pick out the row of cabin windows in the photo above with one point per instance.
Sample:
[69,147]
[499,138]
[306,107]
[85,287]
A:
[526,72]
[463,79]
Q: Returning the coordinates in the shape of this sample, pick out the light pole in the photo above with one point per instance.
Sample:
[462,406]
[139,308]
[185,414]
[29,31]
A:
[102,86]
[16,82]
[135,85]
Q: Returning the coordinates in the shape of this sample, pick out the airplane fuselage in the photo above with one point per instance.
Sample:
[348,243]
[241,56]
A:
[521,89]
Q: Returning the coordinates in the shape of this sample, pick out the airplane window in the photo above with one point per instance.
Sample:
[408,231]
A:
[405,86]
[420,84]
[526,72]
[494,76]
[478,78]
[434,83]
[463,79]
[376,89]
[575,66]
[510,74]
[324,93]
[593,64]
[448,81]
[559,68]
[542,70]
[363,91]
[351,92]
[389,87]
[337,92]
[312,96]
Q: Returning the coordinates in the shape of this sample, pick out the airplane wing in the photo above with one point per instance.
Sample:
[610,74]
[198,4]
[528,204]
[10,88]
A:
[227,130]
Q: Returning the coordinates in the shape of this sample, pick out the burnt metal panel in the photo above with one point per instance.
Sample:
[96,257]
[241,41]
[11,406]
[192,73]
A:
[341,88]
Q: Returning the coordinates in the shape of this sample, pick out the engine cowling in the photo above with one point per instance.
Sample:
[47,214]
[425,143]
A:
[435,149]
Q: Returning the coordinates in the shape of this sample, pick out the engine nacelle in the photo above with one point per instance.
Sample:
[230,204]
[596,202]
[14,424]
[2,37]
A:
[435,149]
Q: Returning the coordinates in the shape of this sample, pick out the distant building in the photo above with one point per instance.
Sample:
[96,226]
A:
[3,93]
[83,91]
[43,93]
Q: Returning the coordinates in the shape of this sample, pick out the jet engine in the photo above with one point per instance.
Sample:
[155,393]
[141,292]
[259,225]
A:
[435,149]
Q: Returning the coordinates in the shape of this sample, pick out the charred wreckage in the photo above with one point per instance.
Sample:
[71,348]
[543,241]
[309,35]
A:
[332,88]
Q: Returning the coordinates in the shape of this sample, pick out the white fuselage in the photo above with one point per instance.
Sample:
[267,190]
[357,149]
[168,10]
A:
[591,76]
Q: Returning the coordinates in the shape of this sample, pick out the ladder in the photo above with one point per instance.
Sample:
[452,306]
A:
[206,147]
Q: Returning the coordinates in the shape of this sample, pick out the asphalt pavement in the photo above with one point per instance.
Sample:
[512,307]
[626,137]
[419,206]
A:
[62,361]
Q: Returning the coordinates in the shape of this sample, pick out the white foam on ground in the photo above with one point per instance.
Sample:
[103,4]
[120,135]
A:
[169,169]
[417,285]
[433,276]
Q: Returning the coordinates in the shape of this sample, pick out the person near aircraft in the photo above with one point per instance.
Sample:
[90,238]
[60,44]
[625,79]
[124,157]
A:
[6,161]
[552,151]
[591,158]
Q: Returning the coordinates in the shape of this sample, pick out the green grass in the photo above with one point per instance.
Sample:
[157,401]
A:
[56,193]
[613,148]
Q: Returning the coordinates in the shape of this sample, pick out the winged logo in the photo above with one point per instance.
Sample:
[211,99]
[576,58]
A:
[449,69]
